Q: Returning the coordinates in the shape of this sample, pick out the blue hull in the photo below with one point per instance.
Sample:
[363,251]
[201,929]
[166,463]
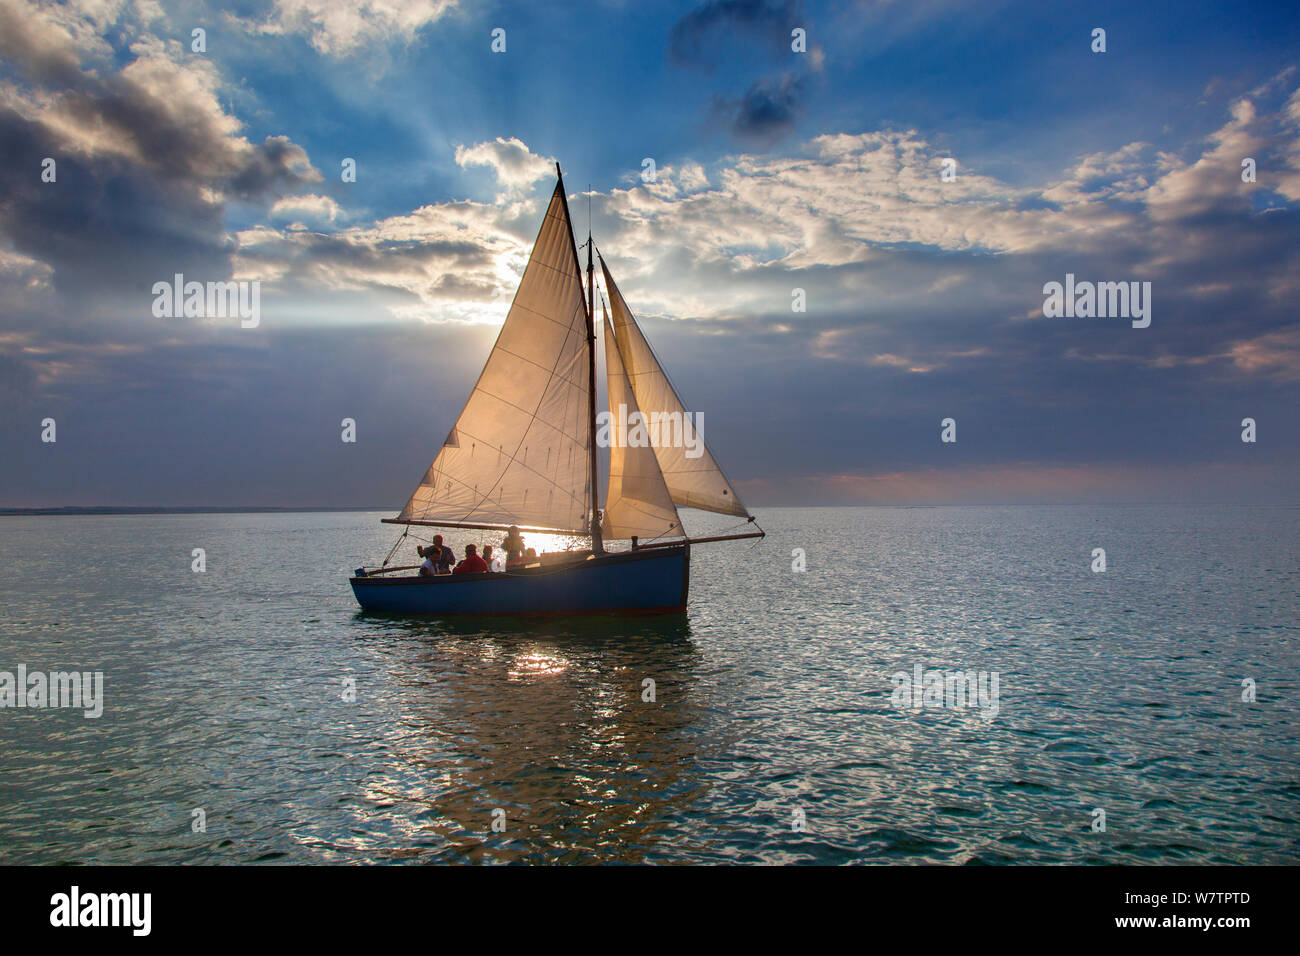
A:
[650,580]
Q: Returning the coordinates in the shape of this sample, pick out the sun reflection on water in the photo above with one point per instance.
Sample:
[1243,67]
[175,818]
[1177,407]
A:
[537,664]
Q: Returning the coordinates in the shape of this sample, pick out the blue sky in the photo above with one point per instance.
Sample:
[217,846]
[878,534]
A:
[777,170]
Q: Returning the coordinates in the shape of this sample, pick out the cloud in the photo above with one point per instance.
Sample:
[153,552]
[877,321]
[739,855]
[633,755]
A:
[1275,353]
[1187,189]
[449,263]
[515,166]
[146,153]
[878,241]
[757,34]
[344,28]
[306,206]
[1287,176]
[922,295]
[161,111]
[715,25]
[766,112]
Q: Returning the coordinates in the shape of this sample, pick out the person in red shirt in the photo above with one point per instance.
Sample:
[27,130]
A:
[472,564]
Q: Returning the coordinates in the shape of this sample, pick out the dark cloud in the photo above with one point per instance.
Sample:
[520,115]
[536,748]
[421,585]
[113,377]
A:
[160,112]
[766,113]
[716,25]
[274,168]
[106,227]
[753,33]
[44,60]
[146,159]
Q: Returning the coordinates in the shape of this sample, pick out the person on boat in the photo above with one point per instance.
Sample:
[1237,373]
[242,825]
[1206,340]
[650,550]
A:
[427,569]
[443,556]
[530,556]
[487,555]
[513,545]
[472,564]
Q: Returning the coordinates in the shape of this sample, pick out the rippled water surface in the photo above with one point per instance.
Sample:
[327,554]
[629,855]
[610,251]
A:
[224,691]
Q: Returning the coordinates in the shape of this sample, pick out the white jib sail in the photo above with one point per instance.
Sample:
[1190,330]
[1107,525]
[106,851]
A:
[519,452]
[638,502]
[692,475]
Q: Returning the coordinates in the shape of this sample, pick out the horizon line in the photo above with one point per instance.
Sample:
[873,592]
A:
[91,510]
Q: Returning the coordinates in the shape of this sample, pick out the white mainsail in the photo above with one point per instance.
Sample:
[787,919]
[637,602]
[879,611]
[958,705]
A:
[692,482]
[520,451]
[638,502]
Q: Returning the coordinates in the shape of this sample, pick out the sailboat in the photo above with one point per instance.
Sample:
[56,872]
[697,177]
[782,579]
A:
[522,453]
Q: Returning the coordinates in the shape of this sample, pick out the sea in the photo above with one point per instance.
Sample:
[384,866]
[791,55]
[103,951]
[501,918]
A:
[808,708]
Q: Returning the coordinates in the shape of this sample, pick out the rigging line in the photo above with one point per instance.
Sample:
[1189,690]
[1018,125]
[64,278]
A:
[400,539]
[741,525]
[662,533]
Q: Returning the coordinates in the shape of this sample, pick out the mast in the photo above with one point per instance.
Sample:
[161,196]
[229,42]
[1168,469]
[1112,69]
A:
[597,543]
